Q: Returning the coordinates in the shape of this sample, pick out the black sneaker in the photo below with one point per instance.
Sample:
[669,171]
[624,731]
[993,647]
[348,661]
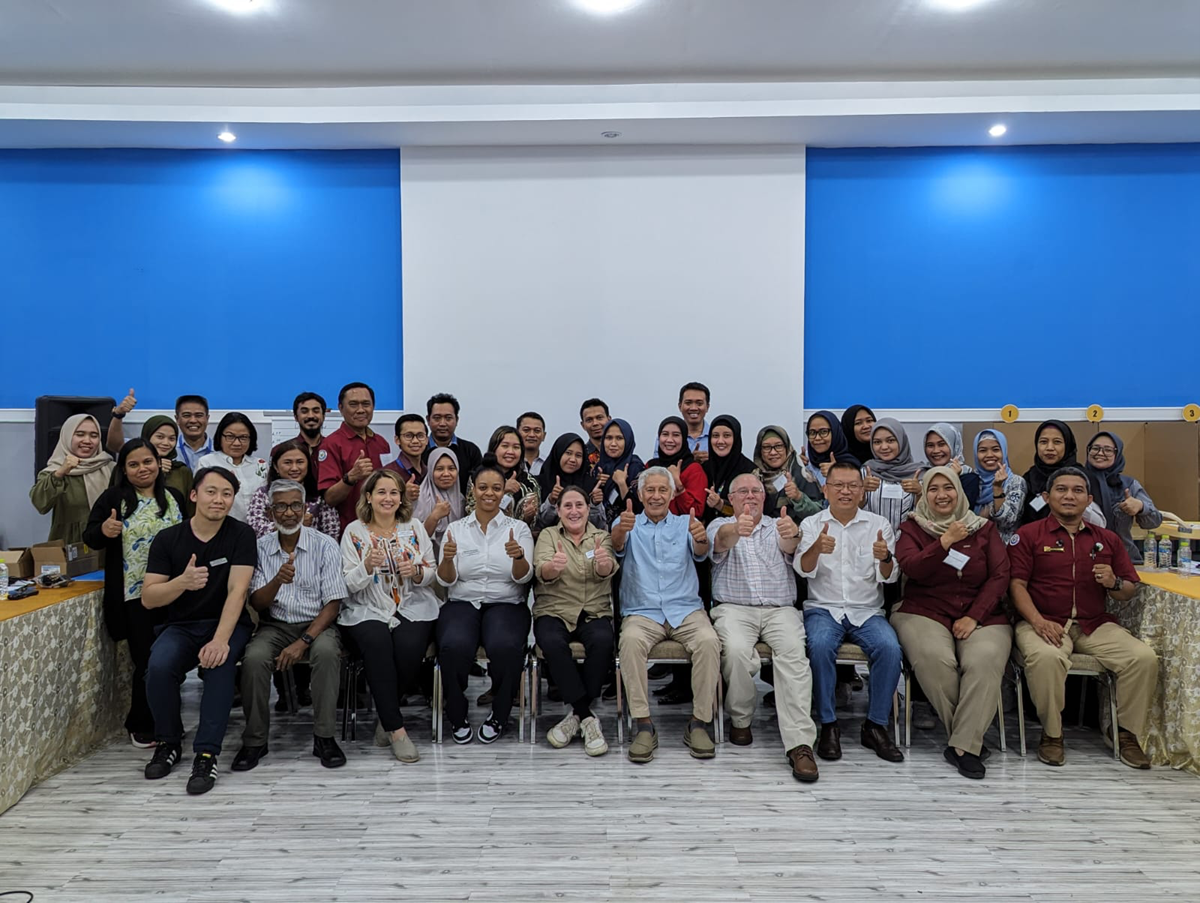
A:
[489,731]
[204,774]
[165,757]
[461,733]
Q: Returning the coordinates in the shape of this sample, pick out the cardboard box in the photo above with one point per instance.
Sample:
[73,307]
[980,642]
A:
[19,561]
[72,559]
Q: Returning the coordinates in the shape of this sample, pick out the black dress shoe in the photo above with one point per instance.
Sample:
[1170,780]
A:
[676,696]
[247,757]
[658,672]
[877,738]
[769,699]
[329,752]
[968,765]
[829,745]
[610,692]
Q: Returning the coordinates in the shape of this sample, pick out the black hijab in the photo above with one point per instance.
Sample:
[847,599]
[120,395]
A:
[552,468]
[683,457]
[1038,476]
[721,470]
[856,447]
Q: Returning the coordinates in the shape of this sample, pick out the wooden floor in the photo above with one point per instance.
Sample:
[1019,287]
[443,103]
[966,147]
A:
[511,822]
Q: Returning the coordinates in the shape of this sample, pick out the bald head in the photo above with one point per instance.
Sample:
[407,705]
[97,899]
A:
[746,495]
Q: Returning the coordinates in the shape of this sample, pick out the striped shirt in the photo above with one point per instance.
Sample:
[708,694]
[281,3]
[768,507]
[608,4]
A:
[755,571]
[318,579]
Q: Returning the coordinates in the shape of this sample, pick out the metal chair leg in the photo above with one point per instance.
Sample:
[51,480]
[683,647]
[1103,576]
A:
[1020,707]
[347,691]
[438,689]
[1112,703]
[620,705]
[521,711]
[907,708]
[535,692]
[1000,725]
[719,730]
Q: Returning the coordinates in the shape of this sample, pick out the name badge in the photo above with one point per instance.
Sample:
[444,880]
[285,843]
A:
[613,495]
[893,491]
[590,553]
[779,482]
[216,562]
[506,503]
[956,559]
[1053,549]
[1038,503]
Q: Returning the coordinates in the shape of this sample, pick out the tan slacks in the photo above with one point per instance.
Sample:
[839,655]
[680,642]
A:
[961,678]
[696,634]
[781,628]
[1134,663]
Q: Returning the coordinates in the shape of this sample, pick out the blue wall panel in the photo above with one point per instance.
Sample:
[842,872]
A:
[244,275]
[975,277]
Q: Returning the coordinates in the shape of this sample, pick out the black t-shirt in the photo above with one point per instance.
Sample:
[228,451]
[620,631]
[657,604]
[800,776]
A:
[234,544]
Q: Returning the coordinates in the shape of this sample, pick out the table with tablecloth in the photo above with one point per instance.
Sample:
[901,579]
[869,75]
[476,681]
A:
[1166,615]
[64,684]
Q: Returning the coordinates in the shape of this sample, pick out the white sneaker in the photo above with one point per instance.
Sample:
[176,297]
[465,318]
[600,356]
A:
[594,743]
[564,732]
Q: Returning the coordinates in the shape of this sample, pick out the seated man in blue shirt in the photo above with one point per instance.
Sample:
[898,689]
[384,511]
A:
[660,600]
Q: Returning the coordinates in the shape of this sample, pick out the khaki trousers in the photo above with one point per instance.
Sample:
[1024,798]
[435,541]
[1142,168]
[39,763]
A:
[1134,663]
[325,657]
[638,636]
[961,678]
[781,628]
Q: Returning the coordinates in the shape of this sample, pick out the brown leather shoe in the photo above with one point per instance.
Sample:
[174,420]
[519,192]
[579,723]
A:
[877,738]
[1130,750]
[829,744]
[1051,750]
[804,766]
[740,736]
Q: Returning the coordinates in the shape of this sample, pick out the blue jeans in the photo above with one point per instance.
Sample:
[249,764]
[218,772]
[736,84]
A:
[877,640]
[173,655]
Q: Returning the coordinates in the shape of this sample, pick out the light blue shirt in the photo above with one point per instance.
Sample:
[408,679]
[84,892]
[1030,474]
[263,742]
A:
[660,580]
[700,443]
[191,458]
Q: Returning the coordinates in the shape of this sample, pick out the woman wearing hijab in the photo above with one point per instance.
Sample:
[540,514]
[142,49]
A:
[619,463]
[162,432]
[290,461]
[890,475]
[440,500]
[78,471]
[725,461]
[856,425]
[507,453]
[950,622]
[1001,492]
[1054,447]
[1120,498]
[565,467]
[783,476]
[675,454]
[944,448]
[123,522]
[826,444]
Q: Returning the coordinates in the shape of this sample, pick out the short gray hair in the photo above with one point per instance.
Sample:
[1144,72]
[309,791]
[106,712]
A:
[655,472]
[746,476]
[282,486]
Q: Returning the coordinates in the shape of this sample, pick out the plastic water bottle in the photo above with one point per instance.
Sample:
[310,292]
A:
[1164,552]
[1149,552]
[1185,557]
[3,581]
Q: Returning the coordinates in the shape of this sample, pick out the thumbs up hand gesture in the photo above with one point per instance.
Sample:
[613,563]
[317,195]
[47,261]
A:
[745,524]
[362,468]
[128,403]
[405,567]
[696,529]
[556,491]
[628,518]
[913,484]
[879,548]
[870,481]
[785,526]
[513,548]
[287,570]
[412,489]
[376,558]
[956,532]
[1131,506]
[601,560]
[825,543]
[70,462]
[828,464]
[112,525]
[193,577]
[449,547]
[790,489]
[559,561]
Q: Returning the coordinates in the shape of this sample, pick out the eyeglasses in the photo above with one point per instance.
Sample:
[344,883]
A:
[411,437]
[773,447]
[820,434]
[852,486]
[285,507]
[236,437]
[749,492]
[1103,451]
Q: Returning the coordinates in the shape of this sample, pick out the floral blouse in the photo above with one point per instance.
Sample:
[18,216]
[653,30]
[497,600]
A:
[139,530]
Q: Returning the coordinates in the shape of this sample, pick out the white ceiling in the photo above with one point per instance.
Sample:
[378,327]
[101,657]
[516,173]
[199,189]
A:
[393,42]
[388,73]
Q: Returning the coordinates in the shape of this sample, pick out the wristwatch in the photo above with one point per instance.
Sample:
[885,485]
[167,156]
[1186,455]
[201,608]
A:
[346,479]
[887,560]
[1116,587]
[308,639]
[118,414]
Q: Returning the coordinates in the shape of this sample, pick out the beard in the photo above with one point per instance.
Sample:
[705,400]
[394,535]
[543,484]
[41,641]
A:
[310,432]
[289,531]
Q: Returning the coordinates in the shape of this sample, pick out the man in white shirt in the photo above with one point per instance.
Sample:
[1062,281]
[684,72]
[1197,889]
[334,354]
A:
[754,596]
[846,554]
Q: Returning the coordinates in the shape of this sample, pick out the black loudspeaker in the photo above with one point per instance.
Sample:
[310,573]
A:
[50,412]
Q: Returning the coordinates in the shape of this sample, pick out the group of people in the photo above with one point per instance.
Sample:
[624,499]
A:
[435,555]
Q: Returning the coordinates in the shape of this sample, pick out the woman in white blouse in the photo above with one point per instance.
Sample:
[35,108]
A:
[390,613]
[236,442]
[484,564]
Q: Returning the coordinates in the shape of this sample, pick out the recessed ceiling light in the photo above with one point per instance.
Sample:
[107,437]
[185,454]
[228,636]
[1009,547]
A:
[610,134]
[240,6]
[227,136]
[606,7]
[956,6]
[997,130]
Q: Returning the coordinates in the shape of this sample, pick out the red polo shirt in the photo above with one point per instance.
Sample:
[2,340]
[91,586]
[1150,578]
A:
[337,455]
[1057,568]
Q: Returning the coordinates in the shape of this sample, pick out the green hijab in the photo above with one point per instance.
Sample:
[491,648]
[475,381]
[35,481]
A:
[151,426]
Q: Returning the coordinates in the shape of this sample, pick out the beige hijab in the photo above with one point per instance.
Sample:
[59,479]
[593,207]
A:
[936,524]
[96,471]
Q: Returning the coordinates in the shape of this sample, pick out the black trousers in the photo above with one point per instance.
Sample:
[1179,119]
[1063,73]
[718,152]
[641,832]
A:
[597,637]
[502,628]
[143,622]
[392,660]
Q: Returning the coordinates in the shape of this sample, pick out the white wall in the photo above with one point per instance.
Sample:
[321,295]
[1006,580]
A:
[538,277]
